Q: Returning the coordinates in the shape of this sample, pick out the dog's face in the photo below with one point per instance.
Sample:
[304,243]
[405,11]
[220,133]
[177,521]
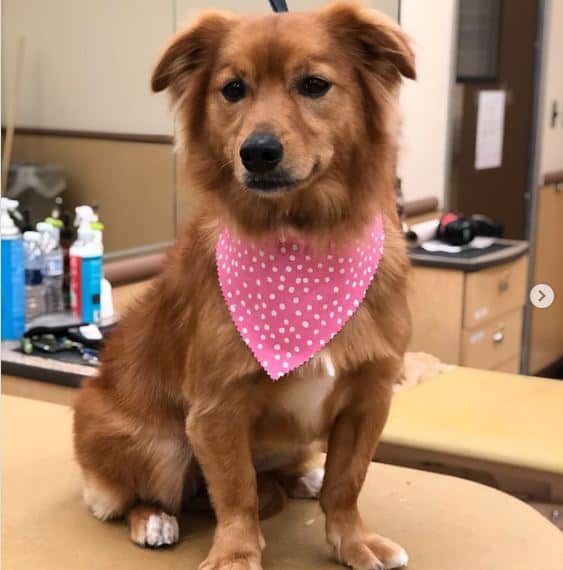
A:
[274,104]
[280,111]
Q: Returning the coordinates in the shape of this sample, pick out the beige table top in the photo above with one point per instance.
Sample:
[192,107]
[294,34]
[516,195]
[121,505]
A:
[506,418]
[444,522]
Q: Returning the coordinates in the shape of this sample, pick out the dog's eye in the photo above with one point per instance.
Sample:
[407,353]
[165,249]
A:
[234,91]
[313,86]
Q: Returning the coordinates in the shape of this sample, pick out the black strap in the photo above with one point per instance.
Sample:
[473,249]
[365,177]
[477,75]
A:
[279,5]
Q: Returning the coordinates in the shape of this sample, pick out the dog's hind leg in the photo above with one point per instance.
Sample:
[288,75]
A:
[153,520]
[104,499]
[151,498]
[149,525]
[131,465]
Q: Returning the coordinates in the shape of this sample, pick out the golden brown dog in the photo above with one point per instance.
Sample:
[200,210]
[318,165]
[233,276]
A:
[179,393]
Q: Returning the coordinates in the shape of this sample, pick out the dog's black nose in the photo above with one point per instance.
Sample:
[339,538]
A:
[261,152]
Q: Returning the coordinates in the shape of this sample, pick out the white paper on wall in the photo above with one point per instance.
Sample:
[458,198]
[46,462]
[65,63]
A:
[490,129]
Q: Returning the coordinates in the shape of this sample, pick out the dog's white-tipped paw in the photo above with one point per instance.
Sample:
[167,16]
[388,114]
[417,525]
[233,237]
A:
[103,502]
[160,530]
[399,560]
[309,485]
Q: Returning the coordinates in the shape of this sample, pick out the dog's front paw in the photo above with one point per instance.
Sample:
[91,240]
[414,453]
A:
[231,561]
[365,551]
[237,546]
[372,552]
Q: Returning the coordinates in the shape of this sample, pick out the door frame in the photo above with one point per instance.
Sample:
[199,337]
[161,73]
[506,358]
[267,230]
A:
[534,183]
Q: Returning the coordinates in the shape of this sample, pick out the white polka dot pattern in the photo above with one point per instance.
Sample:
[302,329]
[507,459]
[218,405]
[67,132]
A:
[288,302]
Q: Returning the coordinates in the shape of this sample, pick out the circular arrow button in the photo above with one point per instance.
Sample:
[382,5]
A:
[542,296]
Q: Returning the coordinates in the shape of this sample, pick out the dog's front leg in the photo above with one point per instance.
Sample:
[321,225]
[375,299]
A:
[221,442]
[351,446]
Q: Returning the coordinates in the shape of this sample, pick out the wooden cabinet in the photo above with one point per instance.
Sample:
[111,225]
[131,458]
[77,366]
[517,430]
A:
[492,344]
[494,291]
[472,319]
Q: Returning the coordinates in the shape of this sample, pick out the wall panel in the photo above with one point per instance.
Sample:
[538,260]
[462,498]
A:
[132,182]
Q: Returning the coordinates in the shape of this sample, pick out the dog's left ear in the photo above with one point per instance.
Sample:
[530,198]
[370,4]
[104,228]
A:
[380,44]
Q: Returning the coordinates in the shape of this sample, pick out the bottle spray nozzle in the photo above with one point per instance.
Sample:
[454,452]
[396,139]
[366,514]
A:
[8,209]
[50,236]
[84,215]
[88,223]
[55,222]
[9,205]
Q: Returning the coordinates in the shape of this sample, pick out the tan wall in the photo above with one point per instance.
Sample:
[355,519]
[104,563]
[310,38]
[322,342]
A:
[424,159]
[133,182]
[87,64]
[186,8]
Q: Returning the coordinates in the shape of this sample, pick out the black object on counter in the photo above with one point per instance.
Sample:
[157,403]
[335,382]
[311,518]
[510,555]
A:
[485,226]
[454,229]
[52,341]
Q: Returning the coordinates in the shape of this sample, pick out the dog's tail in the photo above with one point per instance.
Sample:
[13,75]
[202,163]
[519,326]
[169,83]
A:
[272,497]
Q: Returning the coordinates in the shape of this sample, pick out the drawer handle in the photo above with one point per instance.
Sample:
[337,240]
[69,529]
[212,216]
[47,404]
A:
[504,283]
[498,337]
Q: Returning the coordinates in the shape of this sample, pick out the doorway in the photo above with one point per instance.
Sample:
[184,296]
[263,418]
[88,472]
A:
[494,109]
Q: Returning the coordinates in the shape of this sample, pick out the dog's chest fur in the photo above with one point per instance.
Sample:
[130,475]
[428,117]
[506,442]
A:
[305,396]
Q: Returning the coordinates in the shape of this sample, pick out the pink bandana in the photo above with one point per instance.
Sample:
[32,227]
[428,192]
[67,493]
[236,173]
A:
[286,301]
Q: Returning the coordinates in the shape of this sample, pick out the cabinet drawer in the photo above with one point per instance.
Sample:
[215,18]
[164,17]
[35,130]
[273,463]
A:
[494,343]
[494,291]
[512,366]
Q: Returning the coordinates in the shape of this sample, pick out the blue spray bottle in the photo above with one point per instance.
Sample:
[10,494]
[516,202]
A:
[13,274]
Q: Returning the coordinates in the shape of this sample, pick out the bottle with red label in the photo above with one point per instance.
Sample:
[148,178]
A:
[86,267]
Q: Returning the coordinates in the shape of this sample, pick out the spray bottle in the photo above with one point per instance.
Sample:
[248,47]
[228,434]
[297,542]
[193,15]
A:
[86,267]
[13,274]
[34,276]
[52,266]
[106,302]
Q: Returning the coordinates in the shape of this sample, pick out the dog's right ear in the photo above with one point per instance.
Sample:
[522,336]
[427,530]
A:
[190,49]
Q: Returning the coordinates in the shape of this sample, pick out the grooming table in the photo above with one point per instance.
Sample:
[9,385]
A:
[445,523]
[504,430]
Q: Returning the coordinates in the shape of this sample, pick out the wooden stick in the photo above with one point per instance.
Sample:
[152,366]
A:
[11,114]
